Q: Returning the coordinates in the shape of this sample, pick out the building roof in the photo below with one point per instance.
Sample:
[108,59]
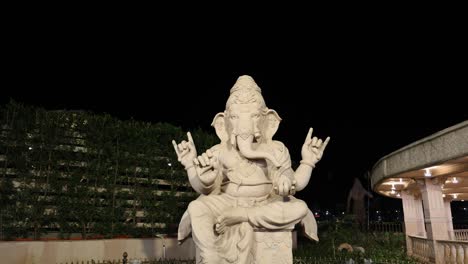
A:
[443,154]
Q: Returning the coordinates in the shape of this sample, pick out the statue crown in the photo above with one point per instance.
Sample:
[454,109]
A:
[245,91]
[245,83]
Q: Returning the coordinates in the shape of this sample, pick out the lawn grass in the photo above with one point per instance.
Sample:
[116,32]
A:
[379,247]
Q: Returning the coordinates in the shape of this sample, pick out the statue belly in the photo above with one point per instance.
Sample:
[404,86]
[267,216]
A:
[236,190]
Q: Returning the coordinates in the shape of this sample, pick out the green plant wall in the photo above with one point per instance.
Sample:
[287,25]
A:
[80,173]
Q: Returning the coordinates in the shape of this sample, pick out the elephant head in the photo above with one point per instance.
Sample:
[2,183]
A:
[247,122]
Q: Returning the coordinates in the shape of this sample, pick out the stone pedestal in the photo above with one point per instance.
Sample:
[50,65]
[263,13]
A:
[273,247]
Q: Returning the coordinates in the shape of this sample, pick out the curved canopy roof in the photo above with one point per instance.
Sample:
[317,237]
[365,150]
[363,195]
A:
[442,156]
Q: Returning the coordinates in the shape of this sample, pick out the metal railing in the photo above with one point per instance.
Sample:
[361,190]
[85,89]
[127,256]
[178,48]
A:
[390,227]
[307,260]
[296,260]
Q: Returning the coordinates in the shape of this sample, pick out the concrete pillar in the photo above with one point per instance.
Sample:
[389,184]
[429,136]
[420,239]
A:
[414,218]
[435,214]
[448,211]
[413,215]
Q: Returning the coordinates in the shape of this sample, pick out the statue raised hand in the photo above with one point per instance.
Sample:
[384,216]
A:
[313,148]
[186,151]
[205,165]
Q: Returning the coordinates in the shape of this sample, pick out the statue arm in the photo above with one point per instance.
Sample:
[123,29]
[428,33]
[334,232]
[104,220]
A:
[195,182]
[311,153]
[300,177]
[302,174]
[204,171]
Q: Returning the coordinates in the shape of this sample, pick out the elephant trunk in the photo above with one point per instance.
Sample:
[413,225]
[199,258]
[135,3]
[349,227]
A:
[245,148]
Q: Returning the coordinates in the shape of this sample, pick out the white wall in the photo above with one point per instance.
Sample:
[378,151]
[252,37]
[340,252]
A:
[46,252]
[50,252]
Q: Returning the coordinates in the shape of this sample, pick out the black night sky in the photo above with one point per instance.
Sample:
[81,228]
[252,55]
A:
[370,95]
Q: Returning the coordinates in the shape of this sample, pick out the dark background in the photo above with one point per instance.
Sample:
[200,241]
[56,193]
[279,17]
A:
[372,92]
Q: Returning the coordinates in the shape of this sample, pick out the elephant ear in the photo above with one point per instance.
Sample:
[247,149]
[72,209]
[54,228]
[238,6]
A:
[220,127]
[272,121]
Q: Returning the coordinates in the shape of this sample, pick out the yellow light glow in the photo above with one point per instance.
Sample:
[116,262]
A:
[427,172]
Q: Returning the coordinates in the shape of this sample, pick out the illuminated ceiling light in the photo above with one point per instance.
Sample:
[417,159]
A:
[401,180]
[427,172]
[454,180]
[393,187]
[455,196]
[398,195]
[393,191]
[443,195]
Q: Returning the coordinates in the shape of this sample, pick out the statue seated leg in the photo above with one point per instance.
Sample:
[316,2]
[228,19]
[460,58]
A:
[237,241]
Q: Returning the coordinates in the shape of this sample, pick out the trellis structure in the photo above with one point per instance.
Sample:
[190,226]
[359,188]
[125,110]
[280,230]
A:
[73,172]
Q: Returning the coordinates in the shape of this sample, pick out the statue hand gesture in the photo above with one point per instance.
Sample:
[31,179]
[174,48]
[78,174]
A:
[207,167]
[284,186]
[185,151]
[313,148]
